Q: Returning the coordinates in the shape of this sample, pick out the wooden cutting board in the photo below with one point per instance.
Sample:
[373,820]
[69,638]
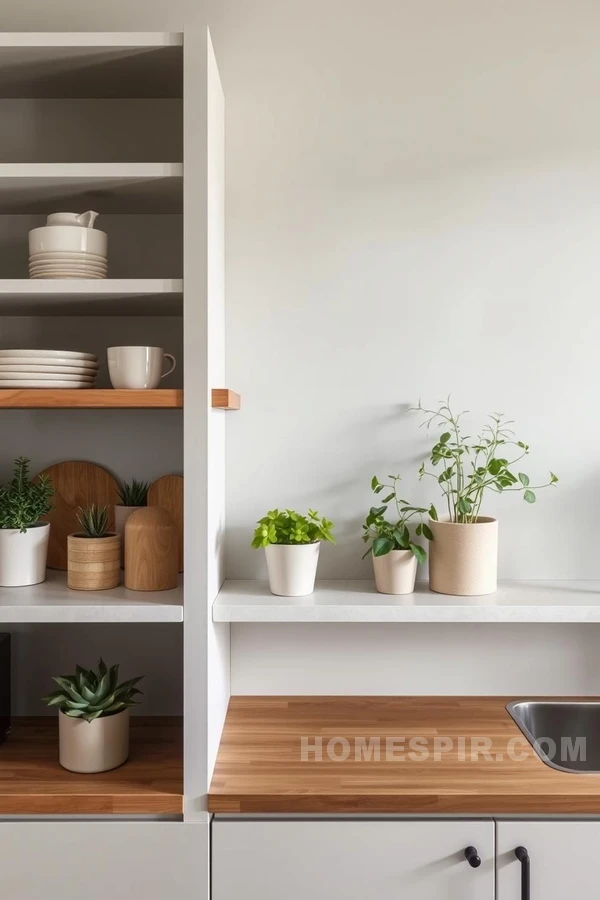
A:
[167,492]
[76,484]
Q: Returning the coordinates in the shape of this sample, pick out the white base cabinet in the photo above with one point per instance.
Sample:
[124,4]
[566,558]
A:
[327,859]
[103,860]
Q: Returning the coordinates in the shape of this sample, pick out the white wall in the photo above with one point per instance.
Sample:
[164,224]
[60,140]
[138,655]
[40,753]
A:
[412,209]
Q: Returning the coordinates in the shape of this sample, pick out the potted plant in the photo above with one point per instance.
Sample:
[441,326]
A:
[93,718]
[463,558]
[292,543]
[93,554]
[23,537]
[394,552]
[133,495]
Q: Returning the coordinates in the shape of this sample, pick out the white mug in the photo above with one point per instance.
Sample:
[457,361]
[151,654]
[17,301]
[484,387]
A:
[137,368]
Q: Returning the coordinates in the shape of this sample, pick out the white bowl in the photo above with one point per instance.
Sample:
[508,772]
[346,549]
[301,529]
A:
[67,267]
[20,383]
[56,255]
[51,238]
[67,275]
[19,369]
[52,354]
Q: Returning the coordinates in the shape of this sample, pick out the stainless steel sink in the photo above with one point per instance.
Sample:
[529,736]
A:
[564,734]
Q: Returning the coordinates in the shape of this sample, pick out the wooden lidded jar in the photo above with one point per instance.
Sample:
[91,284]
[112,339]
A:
[151,550]
[94,564]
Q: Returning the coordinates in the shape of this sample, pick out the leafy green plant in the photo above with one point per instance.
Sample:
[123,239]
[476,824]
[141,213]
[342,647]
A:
[23,502]
[289,527]
[386,536]
[94,521]
[472,466]
[89,695]
[134,492]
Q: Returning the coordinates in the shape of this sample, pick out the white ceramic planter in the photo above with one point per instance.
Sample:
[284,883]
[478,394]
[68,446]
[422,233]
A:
[463,559]
[292,568]
[122,513]
[23,555]
[93,746]
[395,573]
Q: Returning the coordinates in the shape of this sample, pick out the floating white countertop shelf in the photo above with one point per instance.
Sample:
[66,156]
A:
[88,297]
[52,601]
[358,601]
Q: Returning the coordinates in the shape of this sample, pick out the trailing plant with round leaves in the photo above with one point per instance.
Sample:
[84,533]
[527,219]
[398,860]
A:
[472,466]
[23,502]
[90,695]
[94,521]
[134,492]
[289,527]
[386,536]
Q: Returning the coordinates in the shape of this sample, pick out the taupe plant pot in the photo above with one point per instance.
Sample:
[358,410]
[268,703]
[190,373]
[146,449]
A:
[395,572]
[93,746]
[94,564]
[463,559]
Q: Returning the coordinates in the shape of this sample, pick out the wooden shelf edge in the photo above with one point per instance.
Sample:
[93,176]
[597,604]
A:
[222,398]
[96,398]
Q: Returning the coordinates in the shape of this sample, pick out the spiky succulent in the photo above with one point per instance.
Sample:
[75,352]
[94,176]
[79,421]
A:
[89,695]
[134,492]
[24,502]
[93,520]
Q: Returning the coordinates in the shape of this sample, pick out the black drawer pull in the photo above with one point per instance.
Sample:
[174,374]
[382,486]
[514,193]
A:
[473,857]
[523,857]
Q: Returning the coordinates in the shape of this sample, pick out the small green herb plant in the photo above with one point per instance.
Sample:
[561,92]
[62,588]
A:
[134,492]
[472,466]
[386,536]
[289,527]
[89,695]
[94,521]
[23,502]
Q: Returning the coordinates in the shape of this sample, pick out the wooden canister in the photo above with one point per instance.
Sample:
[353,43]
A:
[151,550]
[94,564]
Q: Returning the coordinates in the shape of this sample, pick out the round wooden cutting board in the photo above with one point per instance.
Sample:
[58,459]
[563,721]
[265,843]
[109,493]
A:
[76,484]
[167,492]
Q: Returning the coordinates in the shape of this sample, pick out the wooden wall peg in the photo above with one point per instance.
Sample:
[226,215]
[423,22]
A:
[151,551]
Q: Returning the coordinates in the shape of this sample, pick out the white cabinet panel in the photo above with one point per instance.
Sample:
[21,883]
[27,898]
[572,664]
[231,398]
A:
[100,860]
[353,860]
[563,860]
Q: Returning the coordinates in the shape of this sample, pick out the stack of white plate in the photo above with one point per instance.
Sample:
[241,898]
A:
[67,264]
[47,369]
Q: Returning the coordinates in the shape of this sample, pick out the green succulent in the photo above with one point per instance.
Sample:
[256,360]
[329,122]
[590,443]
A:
[89,695]
[93,520]
[289,527]
[134,492]
[23,502]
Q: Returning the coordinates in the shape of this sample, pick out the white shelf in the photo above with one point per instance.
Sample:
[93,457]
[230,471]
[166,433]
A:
[358,601]
[106,187]
[52,601]
[89,64]
[109,297]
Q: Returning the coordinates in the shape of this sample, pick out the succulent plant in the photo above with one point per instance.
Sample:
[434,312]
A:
[23,502]
[93,520]
[89,695]
[134,492]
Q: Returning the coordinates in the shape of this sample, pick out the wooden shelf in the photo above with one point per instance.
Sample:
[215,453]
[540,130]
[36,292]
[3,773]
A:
[94,398]
[150,783]
[52,601]
[106,187]
[224,399]
[88,297]
[358,601]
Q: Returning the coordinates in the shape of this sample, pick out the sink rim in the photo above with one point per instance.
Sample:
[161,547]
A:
[541,755]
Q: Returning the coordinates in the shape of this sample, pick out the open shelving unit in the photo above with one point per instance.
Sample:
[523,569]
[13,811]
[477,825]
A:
[87,297]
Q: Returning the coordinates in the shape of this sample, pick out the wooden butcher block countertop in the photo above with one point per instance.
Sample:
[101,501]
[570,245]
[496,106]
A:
[259,767]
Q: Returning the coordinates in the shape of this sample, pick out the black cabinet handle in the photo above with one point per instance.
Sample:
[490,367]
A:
[523,857]
[473,857]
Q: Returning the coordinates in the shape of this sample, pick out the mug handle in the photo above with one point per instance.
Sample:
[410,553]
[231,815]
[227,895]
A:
[173,364]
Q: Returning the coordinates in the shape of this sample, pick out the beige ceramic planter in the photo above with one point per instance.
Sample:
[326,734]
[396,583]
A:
[463,559]
[94,564]
[292,568]
[93,746]
[395,573]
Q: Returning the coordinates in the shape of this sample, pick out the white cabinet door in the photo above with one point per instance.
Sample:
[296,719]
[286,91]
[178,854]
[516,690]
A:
[351,860]
[563,860]
[102,861]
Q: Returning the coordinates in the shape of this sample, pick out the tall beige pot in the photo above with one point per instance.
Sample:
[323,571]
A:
[94,564]
[463,559]
[395,572]
[93,746]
